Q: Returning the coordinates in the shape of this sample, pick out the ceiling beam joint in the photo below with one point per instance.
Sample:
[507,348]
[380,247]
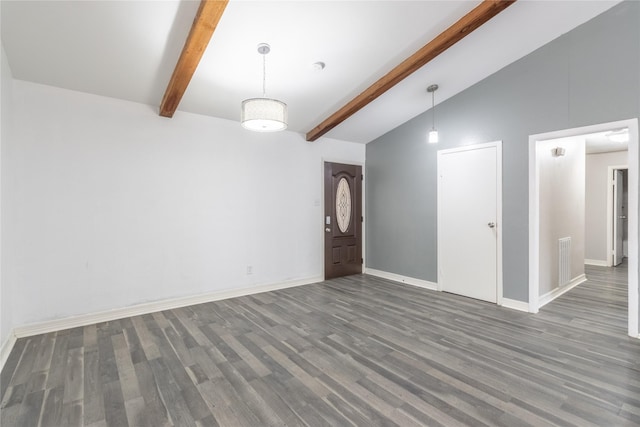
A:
[204,24]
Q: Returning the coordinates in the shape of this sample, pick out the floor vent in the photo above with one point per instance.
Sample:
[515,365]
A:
[564,261]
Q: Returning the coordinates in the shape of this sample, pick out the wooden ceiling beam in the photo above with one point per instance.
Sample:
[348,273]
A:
[463,27]
[204,24]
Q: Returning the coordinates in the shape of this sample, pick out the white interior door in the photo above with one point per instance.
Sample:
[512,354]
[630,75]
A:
[618,216]
[469,191]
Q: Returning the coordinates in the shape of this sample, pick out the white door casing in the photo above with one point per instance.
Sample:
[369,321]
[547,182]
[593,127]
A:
[632,212]
[611,170]
[618,221]
[470,220]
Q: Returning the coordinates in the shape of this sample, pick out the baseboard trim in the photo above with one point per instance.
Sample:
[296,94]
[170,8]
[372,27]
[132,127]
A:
[402,279]
[146,308]
[555,293]
[596,262]
[515,304]
[6,348]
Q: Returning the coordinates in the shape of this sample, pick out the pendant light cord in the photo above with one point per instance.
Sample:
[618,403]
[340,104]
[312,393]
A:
[264,75]
[433,109]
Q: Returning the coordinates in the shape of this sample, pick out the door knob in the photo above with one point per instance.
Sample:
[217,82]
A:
[492,225]
[328,230]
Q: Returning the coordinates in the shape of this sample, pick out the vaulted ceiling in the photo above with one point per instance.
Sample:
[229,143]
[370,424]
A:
[129,49]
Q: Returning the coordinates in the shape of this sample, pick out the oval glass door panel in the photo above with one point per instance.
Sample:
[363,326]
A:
[343,205]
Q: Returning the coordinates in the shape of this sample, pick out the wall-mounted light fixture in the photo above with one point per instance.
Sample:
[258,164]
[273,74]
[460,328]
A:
[264,114]
[433,133]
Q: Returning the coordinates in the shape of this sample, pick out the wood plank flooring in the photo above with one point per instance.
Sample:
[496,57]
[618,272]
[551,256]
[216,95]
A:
[358,351]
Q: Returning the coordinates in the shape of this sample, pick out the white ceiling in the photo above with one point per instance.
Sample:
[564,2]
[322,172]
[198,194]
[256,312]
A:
[128,49]
[600,143]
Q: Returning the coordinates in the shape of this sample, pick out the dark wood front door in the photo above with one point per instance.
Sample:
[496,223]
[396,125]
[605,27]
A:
[342,220]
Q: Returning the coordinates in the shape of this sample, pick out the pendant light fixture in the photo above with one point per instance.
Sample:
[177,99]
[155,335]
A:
[433,133]
[264,114]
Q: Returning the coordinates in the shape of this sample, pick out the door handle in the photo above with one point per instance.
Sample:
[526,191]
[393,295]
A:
[328,230]
[622,217]
[492,225]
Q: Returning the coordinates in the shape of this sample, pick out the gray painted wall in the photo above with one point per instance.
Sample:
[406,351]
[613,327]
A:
[590,75]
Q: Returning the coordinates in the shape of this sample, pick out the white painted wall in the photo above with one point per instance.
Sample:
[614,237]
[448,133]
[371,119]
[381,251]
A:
[562,207]
[112,205]
[596,202]
[6,301]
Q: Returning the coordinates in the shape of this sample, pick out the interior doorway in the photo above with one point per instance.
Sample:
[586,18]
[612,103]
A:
[631,127]
[617,215]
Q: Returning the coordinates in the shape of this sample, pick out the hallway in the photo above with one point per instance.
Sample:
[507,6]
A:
[598,305]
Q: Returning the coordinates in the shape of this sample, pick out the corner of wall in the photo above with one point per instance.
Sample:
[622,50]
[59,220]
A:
[6,313]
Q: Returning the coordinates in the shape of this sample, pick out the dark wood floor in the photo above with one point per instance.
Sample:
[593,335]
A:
[353,351]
